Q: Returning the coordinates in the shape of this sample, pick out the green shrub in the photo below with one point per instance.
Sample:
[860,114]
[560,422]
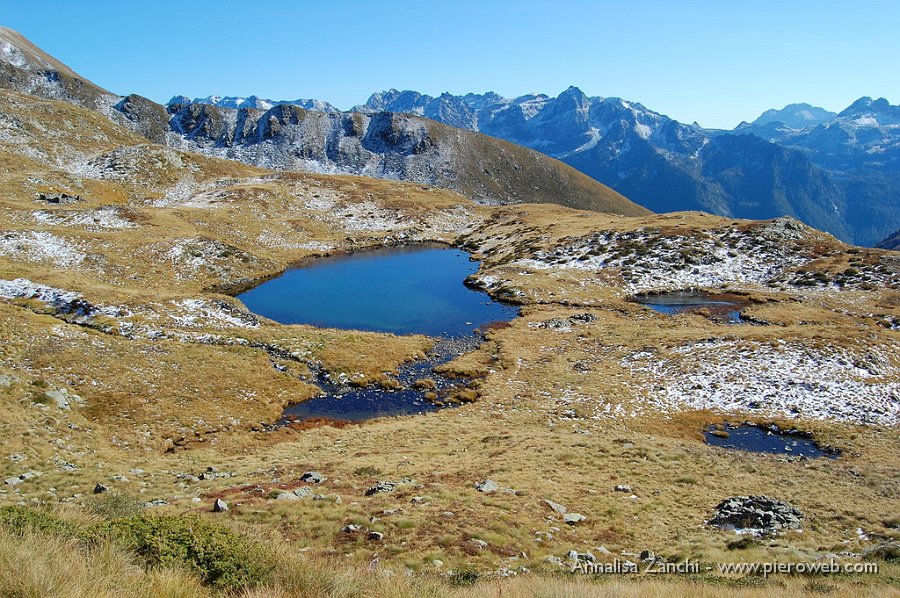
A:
[113,505]
[21,520]
[464,578]
[218,554]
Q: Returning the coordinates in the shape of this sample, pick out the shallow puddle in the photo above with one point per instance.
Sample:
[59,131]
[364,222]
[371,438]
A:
[766,439]
[719,307]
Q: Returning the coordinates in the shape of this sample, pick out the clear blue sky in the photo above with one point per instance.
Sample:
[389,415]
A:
[716,61]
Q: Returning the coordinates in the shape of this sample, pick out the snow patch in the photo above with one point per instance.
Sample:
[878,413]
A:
[40,246]
[783,379]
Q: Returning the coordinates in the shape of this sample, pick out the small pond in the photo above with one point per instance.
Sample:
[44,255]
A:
[719,307]
[401,290]
[766,439]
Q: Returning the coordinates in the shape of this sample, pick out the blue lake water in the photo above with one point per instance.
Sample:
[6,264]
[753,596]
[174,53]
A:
[404,290]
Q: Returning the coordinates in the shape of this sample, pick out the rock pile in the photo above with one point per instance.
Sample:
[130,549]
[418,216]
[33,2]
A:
[755,514]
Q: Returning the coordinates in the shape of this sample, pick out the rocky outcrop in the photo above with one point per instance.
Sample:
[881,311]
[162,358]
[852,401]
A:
[760,515]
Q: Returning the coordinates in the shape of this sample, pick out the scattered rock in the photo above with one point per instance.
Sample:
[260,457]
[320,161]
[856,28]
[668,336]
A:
[375,536]
[582,318]
[57,198]
[555,560]
[886,551]
[556,507]
[351,529]
[312,477]
[302,492]
[100,488]
[622,488]
[573,518]
[380,487]
[220,506]
[12,481]
[487,486]
[480,544]
[647,555]
[755,514]
[603,550]
[586,557]
[287,496]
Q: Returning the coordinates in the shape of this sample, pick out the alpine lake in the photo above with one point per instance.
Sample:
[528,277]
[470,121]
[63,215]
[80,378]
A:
[398,290]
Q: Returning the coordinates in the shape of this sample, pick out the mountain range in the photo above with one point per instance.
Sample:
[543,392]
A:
[834,171]
[286,136]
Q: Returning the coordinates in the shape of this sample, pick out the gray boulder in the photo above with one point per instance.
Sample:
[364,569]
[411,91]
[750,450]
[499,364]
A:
[312,477]
[573,518]
[487,486]
[380,487]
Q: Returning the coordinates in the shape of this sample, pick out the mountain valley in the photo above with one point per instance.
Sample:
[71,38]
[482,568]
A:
[141,396]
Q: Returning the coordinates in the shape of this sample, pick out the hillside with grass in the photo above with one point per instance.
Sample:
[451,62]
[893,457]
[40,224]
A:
[288,137]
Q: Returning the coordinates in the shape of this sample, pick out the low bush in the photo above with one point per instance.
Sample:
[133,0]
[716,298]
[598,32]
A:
[217,554]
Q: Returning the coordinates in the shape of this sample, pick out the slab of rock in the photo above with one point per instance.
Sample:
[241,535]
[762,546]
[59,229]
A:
[487,486]
[573,518]
[556,507]
[100,488]
[312,477]
[756,514]
[220,506]
[302,492]
[375,536]
[287,496]
[622,488]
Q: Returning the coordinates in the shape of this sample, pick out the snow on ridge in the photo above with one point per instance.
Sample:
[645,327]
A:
[643,131]
[789,379]
[648,260]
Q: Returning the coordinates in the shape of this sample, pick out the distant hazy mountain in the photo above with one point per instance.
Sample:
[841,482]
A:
[254,102]
[796,116]
[288,136]
[891,242]
[834,172]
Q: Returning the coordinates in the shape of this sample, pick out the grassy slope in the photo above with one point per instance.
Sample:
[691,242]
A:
[232,222]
